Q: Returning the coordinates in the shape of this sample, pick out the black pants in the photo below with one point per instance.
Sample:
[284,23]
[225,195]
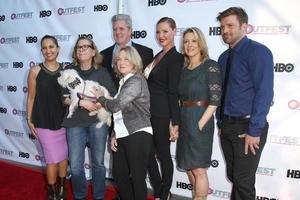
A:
[161,148]
[130,166]
[241,168]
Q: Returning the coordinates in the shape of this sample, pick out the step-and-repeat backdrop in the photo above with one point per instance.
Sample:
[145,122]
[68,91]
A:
[272,22]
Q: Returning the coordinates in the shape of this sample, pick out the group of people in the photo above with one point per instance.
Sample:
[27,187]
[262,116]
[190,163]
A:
[154,101]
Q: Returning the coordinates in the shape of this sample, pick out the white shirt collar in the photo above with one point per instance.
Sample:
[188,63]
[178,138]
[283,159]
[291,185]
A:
[124,79]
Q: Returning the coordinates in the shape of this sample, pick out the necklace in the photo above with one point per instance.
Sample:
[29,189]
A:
[193,66]
[51,70]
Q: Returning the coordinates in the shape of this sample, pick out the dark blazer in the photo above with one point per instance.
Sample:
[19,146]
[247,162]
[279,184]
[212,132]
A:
[163,86]
[145,53]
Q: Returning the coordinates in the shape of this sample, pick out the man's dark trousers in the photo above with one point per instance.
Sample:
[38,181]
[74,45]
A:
[241,168]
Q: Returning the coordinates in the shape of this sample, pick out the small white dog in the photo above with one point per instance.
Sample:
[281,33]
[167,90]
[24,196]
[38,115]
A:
[70,79]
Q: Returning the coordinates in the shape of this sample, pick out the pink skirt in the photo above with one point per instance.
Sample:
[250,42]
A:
[54,144]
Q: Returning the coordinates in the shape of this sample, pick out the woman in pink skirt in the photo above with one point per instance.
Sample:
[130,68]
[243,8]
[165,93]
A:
[45,113]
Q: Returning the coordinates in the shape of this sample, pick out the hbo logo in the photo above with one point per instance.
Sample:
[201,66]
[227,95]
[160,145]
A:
[11,88]
[17,64]
[3,110]
[2,18]
[156,2]
[100,8]
[90,36]
[138,34]
[31,39]
[24,155]
[281,67]
[45,13]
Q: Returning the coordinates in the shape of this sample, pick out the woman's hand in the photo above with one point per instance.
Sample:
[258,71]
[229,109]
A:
[113,144]
[32,128]
[89,105]
[174,132]
[67,101]
[201,125]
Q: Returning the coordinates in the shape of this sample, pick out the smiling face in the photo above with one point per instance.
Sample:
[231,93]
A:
[165,35]
[191,46]
[84,51]
[49,50]
[232,31]
[121,32]
[123,63]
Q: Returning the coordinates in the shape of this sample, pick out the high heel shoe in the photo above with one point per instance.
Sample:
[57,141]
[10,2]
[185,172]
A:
[170,196]
[166,196]
[52,192]
[62,191]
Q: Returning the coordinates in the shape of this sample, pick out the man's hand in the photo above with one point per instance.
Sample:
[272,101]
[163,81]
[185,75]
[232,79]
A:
[250,142]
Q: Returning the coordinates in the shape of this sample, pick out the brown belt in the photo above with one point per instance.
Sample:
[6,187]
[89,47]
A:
[193,103]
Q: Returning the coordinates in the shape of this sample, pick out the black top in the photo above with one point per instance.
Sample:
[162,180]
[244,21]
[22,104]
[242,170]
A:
[48,110]
[163,86]
[81,117]
[145,53]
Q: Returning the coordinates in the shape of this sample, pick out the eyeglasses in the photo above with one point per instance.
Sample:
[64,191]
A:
[83,47]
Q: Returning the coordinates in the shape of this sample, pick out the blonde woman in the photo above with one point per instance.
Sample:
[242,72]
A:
[199,94]
[132,135]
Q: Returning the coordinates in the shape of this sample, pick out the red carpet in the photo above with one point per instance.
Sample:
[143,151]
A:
[24,183]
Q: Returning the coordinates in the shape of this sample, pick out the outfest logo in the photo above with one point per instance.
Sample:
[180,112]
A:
[268,30]
[71,10]
[255,29]
[284,140]
[24,15]
[9,40]
[13,133]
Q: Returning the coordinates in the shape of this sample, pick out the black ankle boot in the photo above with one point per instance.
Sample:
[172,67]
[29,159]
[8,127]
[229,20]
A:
[52,192]
[62,191]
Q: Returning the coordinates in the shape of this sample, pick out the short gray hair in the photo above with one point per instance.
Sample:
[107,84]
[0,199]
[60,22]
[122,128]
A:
[122,17]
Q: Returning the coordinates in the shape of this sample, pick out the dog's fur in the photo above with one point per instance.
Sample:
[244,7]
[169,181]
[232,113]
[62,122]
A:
[70,79]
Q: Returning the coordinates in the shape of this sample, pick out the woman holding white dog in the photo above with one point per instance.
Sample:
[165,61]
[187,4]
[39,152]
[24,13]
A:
[45,113]
[81,128]
[132,136]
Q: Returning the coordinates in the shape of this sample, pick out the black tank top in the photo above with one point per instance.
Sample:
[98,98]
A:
[48,109]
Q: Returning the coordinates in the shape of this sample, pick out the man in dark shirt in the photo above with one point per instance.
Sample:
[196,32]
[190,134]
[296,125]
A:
[247,75]
[122,30]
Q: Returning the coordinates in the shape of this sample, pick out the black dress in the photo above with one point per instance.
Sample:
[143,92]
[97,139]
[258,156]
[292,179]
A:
[48,110]
[194,147]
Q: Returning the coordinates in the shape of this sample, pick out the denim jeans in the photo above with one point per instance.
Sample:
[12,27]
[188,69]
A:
[77,137]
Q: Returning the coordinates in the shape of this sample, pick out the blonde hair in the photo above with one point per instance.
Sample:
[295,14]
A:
[133,57]
[199,36]
[97,59]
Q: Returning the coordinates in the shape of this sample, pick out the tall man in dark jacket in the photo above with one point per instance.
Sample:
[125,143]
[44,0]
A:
[122,30]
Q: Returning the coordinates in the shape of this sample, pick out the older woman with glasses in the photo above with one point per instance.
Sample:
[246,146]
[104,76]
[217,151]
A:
[81,128]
